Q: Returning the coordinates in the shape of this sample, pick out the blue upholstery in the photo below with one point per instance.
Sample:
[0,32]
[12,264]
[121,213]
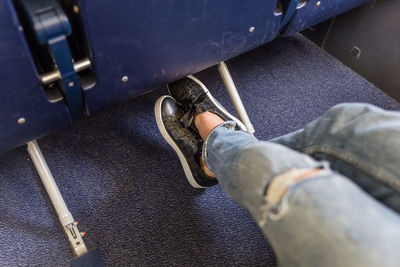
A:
[156,42]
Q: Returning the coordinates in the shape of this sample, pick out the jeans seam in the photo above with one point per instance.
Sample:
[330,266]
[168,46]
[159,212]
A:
[379,173]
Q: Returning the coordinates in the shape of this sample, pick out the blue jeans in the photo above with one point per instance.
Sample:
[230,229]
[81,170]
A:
[345,214]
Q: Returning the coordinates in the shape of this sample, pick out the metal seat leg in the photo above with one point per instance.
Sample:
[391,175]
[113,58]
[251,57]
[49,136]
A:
[234,95]
[65,217]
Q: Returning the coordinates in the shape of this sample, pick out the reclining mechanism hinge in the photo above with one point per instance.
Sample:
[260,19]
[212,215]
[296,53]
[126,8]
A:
[51,27]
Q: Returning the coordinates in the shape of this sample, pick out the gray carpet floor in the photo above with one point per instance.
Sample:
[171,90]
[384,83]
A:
[124,184]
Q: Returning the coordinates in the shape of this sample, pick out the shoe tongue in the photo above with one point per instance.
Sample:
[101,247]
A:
[187,118]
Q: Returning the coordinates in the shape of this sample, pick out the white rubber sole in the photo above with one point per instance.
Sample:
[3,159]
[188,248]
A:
[215,102]
[164,133]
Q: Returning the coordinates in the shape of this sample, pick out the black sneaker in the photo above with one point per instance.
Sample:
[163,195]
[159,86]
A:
[184,141]
[195,98]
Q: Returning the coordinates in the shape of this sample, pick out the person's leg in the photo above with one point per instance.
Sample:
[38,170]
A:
[360,141]
[311,214]
[317,218]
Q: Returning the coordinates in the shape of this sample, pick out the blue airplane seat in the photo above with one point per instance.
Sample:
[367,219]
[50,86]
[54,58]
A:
[61,60]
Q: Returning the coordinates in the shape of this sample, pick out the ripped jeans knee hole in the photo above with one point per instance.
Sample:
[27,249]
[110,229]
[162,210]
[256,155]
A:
[277,196]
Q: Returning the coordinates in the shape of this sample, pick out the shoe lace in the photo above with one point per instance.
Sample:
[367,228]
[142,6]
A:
[185,133]
[191,91]
[187,118]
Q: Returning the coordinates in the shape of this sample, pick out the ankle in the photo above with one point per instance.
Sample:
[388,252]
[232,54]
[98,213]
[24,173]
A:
[205,122]
[205,169]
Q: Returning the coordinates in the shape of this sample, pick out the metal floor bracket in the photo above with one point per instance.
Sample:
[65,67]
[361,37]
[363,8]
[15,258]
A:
[234,95]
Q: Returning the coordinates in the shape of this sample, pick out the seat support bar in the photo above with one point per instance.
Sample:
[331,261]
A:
[234,95]
[64,215]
